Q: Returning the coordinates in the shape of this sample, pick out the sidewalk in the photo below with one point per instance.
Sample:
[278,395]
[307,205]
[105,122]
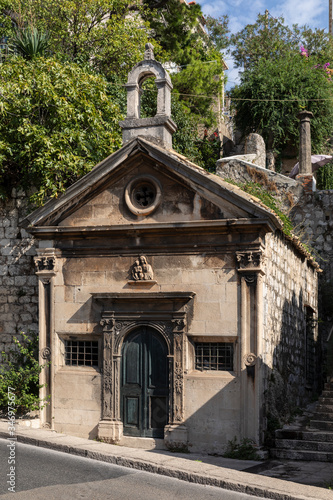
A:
[204,469]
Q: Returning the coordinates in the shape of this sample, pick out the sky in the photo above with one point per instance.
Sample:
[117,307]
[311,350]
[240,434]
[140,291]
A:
[313,13]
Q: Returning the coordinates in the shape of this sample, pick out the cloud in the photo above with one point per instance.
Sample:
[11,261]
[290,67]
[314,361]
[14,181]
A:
[308,12]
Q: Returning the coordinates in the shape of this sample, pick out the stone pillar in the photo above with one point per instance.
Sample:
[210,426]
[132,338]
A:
[305,165]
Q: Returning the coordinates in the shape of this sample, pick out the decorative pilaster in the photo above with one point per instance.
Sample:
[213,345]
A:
[250,268]
[46,265]
[175,434]
[110,428]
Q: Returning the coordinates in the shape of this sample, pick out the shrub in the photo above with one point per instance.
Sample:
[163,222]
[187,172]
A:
[245,450]
[20,371]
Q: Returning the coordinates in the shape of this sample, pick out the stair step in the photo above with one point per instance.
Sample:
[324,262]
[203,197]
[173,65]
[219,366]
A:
[324,408]
[317,456]
[294,444]
[322,424]
[326,394]
[321,415]
[326,401]
[304,435]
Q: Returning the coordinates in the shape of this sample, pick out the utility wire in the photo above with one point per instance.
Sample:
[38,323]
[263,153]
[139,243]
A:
[237,98]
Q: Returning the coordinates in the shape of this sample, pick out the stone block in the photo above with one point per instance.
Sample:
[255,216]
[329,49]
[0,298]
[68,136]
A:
[59,294]
[94,278]
[20,280]
[207,311]
[80,404]
[176,437]
[199,276]
[72,278]
[25,318]
[3,270]
[11,232]
[110,431]
[86,431]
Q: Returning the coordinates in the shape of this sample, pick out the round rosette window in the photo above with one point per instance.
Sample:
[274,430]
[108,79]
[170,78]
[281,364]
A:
[143,195]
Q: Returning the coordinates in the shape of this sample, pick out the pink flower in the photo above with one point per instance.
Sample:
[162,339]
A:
[304,51]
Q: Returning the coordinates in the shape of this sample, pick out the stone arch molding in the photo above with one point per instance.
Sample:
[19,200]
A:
[125,328]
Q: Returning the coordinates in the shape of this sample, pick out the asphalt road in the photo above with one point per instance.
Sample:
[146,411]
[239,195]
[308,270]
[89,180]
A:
[42,474]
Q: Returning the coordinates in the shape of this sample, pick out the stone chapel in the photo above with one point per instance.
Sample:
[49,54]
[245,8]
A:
[167,296]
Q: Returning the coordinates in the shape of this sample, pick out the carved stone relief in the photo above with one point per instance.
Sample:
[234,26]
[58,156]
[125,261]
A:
[250,359]
[141,270]
[249,260]
[43,263]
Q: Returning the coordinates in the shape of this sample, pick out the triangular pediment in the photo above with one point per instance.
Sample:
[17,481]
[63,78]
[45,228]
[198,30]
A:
[143,182]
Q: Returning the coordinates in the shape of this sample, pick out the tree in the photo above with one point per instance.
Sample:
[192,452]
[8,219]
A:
[272,93]
[109,34]
[270,38]
[179,29]
[56,122]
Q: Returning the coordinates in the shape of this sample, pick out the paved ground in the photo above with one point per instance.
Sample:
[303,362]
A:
[280,480]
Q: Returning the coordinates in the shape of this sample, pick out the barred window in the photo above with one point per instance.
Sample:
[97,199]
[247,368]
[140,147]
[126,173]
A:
[81,353]
[214,356]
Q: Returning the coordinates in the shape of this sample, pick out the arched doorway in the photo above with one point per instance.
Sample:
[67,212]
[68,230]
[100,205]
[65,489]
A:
[144,384]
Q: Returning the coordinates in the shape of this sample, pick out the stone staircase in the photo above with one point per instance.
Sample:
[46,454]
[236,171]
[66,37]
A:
[311,442]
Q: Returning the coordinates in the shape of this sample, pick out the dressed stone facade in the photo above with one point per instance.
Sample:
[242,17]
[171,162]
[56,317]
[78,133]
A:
[166,296]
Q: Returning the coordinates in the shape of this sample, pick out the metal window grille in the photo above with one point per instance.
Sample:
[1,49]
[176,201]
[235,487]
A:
[81,353]
[214,356]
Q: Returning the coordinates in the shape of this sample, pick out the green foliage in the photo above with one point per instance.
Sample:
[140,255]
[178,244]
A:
[209,148]
[273,92]
[29,43]
[245,450]
[56,122]
[260,192]
[58,118]
[270,39]
[325,177]
[20,371]
[178,28]
[175,26]
[108,34]
[197,84]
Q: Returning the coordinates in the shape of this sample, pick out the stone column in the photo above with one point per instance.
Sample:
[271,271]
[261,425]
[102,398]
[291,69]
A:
[305,165]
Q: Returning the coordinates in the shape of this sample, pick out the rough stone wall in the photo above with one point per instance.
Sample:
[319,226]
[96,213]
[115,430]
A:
[313,217]
[290,287]
[18,282]
[278,185]
[313,224]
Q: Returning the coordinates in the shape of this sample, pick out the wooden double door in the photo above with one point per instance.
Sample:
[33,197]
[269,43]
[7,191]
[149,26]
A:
[144,384]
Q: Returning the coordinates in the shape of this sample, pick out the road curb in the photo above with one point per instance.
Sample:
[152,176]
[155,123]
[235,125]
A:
[246,483]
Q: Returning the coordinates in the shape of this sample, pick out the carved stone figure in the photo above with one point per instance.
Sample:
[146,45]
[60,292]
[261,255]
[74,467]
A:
[137,273]
[141,270]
